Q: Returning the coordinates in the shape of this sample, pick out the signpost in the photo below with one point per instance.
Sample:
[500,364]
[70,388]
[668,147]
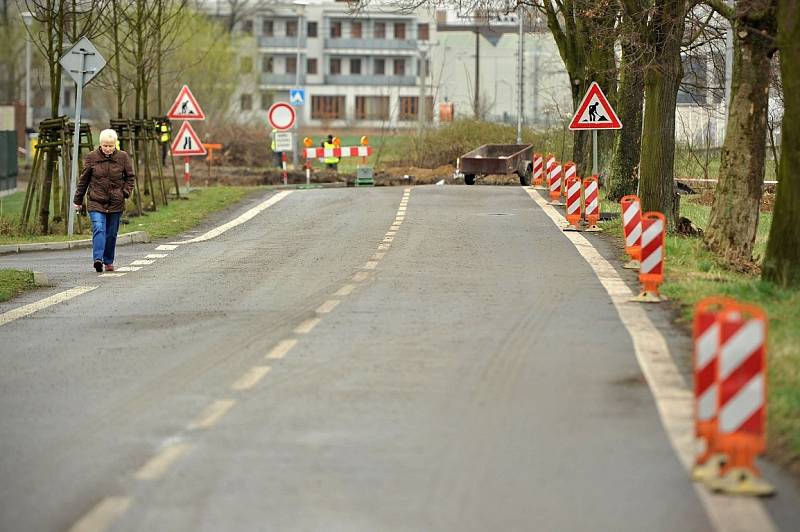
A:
[594,112]
[82,62]
[281,116]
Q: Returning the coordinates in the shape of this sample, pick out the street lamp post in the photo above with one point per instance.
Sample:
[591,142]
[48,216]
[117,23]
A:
[27,18]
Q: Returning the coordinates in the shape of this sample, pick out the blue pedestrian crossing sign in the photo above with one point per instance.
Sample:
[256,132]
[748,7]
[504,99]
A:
[297,97]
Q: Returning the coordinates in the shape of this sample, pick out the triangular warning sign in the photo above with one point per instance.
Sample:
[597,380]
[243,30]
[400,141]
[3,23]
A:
[185,107]
[187,142]
[595,112]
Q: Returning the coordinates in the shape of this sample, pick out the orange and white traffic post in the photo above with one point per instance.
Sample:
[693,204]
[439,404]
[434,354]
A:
[742,400]
[591,210]
[538,171]
[632,229]
[573,190]
[651,272]
[554,181]
[706,339]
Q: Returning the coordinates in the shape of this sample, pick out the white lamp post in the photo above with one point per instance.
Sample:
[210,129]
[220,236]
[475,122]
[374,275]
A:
[27,18]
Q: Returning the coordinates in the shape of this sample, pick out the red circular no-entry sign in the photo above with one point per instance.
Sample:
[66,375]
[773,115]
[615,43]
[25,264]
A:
[281,115]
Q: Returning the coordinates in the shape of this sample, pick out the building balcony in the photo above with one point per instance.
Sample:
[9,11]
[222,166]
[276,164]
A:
[282,79]
[370,44]
[341,79]
[281,42]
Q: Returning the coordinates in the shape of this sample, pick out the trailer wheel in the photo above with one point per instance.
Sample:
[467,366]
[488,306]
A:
[525,177]
[469,179]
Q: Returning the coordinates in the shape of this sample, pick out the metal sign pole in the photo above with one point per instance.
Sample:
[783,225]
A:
[76,140]
[594,152]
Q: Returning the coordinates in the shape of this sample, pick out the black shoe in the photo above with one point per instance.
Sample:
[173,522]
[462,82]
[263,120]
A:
[98,266]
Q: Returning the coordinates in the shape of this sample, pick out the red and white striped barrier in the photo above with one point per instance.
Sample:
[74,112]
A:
[591,210]
[554,181]
[706,338]
[538,170]
[741,399]
[345,151]
[651,272]
[573,200]
[632,229]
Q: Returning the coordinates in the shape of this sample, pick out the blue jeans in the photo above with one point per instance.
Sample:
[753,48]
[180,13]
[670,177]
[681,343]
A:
[104,235]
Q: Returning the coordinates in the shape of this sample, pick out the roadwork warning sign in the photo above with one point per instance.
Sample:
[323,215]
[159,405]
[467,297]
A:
[185,107]
[595,112]
[187,142]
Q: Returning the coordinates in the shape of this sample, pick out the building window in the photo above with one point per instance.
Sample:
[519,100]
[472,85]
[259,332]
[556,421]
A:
[379,31]
[694,84]
[311,66]
[380,67]
[355,66]
[423,32]
[267,64]
[327,107]
[355,30]
[336,30]
[399,67]
[336,65]
[291,28]
[372,107]
[311,29]
[246,65]
[408,107]
[268,28]
[266,99]
[291,65]
[247,27]
[399,30]
[246,101]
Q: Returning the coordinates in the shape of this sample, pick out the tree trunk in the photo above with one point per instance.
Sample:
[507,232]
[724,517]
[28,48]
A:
[628,141]
[782,262]
[117,71]
[734,215]
[661,80]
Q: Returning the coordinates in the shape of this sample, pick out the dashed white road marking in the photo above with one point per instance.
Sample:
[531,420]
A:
[395,227]
[142,262]
[345,290]
[388,239]
[307,326]
[166,247]
[370,265]
[156,255]
[378,255]
[112,274]
[251,378]
[384,247]
[328,306]
[129,268]
[211,414]
[160,463]
[391,233]
[240,220]
[280,350]
[399,219]
[103,515]
[360,277]
[672,396]
[27,310]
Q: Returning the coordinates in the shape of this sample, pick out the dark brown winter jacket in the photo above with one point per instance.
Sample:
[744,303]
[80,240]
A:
[108,179]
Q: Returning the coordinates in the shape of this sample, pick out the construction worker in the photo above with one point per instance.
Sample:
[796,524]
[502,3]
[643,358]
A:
[162,128]
[277,157]
[332,161]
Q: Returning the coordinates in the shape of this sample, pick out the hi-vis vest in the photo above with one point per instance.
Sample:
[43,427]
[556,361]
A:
[331,159]
[273,145]
[164,133]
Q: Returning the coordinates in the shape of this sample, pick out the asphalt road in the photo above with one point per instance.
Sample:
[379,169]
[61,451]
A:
[322,367]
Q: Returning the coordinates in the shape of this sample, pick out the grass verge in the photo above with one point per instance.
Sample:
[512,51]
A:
[12,282]
[693,273]
[175,218]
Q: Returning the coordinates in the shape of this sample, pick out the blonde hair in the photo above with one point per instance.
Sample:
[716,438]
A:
[108,135]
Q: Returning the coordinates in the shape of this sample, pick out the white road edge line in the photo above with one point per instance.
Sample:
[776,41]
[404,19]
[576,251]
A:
[672,396]
[240,220]
[27,310]
[103,515]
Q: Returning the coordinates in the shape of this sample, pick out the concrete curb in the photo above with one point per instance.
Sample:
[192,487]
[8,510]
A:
[136,237]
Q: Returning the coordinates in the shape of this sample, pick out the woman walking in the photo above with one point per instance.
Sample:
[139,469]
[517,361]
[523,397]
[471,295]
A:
[108,177]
